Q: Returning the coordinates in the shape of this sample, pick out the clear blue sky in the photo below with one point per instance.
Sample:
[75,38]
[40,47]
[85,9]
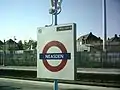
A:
[21,18]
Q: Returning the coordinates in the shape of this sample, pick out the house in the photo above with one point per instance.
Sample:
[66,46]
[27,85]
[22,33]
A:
[1,45]
[113,44]
[87,42]
[114,39]
[91,43]
[11,45]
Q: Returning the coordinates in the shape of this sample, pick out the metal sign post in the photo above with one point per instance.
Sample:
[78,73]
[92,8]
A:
[56,81]
[56,12]
[55,84]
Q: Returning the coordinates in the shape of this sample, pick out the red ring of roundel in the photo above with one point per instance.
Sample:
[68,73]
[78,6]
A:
[63,62]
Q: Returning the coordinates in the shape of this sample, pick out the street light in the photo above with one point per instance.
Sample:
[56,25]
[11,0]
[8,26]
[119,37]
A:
[55,8]
[57,2]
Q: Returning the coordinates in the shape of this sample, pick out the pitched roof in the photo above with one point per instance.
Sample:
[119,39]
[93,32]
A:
[115,38]
[85,37]
[10,41]
[1,43]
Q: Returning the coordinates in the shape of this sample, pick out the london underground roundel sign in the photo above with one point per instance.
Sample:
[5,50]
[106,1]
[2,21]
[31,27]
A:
[56,52]
[63,56]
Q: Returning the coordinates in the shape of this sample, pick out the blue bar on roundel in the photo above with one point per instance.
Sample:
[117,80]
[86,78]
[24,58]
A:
[55,56]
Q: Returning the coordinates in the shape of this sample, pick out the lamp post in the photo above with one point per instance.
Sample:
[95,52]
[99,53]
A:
[104,30]
[104,26]
[55,9]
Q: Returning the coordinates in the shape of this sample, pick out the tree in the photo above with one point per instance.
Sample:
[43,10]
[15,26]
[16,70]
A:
[34,45]
[20,45]
[11,45]
[31,44]
[25,45]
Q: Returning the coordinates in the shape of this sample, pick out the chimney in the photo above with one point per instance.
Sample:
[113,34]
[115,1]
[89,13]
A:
[116,35]
[90,33]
